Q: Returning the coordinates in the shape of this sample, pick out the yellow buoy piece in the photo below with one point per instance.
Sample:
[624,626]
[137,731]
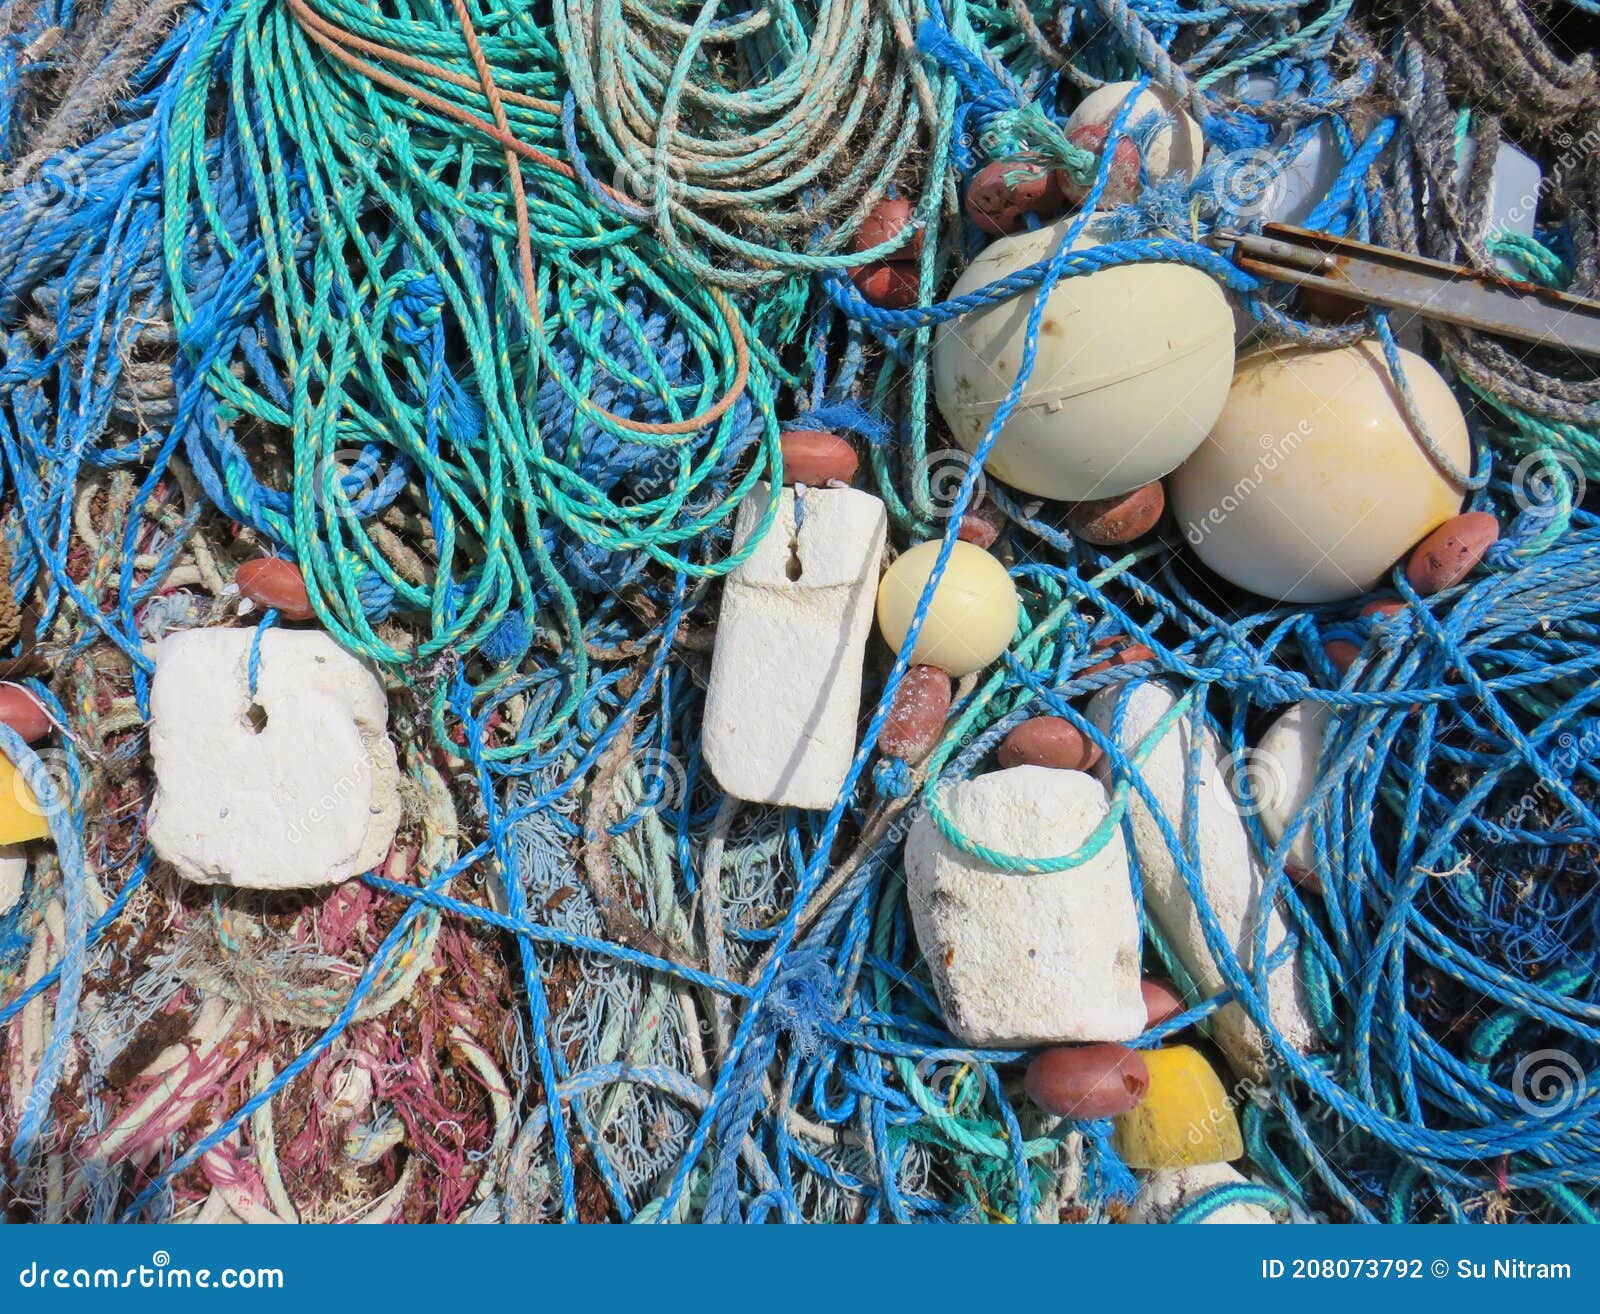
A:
[1185,1119]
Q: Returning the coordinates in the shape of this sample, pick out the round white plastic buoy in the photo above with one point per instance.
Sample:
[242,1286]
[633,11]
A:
[1312,483]
[1132,369]
[971,618]
[1173,145]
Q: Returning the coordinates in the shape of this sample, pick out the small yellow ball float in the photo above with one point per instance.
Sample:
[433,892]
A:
[971,617]
[1184,1120]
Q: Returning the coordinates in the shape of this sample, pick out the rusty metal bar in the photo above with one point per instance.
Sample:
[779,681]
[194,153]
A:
[1376,275]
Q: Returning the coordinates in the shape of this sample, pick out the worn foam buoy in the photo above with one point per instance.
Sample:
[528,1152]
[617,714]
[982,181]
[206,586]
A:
[13,872]
[886,221]
[1288,755]
[1231,873]
[1048,741]
[1129,655]
[1003,193]
[1184,1120]
[1311,483]
[1086,1081]
[917,714]
[981,526]
[1167,1190]
[971,617]
[1448,555]
[20,710]
[1168,138]
[785,686]
[1111,521]
[1162,1002]
[891,284]
[1026,959]
[271,582]
[1122,179]
[294,787]
[22,816]
[1132,369]
[814,457]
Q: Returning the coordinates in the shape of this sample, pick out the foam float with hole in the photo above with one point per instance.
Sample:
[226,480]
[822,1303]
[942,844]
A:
[785,686]
[295,788]
[1230,873]
[1026,959]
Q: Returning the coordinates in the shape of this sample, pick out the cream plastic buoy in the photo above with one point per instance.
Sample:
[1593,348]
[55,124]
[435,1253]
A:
[1170,143]
[1132,368]
[1312,484]
[971,618]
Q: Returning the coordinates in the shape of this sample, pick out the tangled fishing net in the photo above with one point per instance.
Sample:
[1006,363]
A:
[489,318]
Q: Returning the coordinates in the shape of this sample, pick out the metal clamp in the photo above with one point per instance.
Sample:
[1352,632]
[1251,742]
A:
[1376,275]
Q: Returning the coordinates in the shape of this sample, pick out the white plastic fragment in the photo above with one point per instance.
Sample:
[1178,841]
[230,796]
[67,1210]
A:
[1165,1191]
[1231,874]
[295,788]
[1514,188]
[785,687]
[1026,959]
[13,871]
[1286,759]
